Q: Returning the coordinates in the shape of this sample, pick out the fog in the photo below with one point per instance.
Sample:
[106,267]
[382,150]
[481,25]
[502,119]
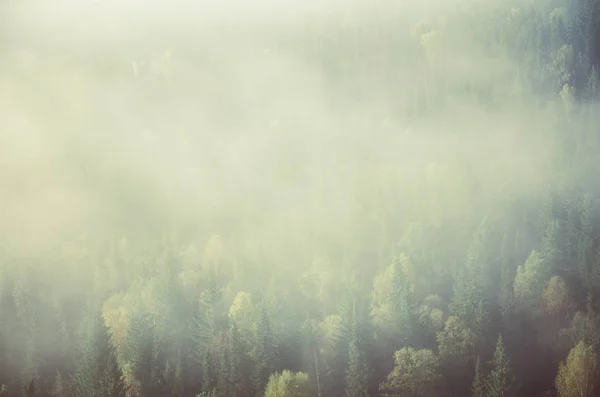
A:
[282,110]
[293,141]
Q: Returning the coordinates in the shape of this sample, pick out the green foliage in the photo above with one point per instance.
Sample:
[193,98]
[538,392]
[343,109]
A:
[212,393]
[142,353]
[29,390]
[530,281]
[357,374]
[557,301]
[209,373]
[395,309]
[224,378]
[415,374]
[507,275]
[240,379]
[577,377]
[500,381]
[288,384]
[97,371]
[478,388]
[456,342]
[264,353]
[584,328]
[471,286]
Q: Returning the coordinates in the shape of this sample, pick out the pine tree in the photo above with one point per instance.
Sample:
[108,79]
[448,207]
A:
[356,374]
[208,373]
[224,388]
[500,382]
[112,381]
[59,389]
[264,352]
[478,384]
[240,383]
[97,372]
[404,305]
[140,352]
[471,286]
[334,382]
[30,390]
[507,276]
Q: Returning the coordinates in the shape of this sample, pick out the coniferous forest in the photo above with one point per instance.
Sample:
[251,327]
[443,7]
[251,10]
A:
[316,199]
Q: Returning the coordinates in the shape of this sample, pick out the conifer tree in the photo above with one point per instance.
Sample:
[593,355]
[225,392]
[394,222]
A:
[140,352]
[29,390]
[500,382]
[478,383]
[357,380]
[471,296]
[264,352]
[404,304]
[112,382]
[208,373]
[224,388]
[97,372]
[240,382]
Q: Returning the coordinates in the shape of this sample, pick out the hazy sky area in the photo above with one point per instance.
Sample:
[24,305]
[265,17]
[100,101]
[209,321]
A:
[248,113]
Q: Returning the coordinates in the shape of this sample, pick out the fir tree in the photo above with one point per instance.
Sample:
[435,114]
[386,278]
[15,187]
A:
[208,373]
[500,382]
[140,352]
[29,390]
[404,304]
[112,382]
[356,374]
[97,372]
[478,383]
[224,388]
[264,352]
[471,301]
[240,384]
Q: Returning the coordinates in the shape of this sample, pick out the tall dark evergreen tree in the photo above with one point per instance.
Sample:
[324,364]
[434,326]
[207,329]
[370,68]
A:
[224,375]
[141,353]
[209,381]
[265,358]
[357,377]
[500,381]
[471,300]
[239,365]
[478,388]
[97,371]
[404,306]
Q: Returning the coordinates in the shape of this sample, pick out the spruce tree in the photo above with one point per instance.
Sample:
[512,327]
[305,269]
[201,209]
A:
[478,383]
[112,382]
[97,372]
[404,305]
[500,382]
[471,286]
[140,352]
[29,390]
[240,384]
[224,375]
[208,373]
[264,352]
[356,374]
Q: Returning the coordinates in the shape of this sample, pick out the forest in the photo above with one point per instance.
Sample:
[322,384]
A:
[300,199]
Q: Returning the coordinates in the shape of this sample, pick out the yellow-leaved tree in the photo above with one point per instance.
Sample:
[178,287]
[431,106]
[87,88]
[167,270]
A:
[578,376]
